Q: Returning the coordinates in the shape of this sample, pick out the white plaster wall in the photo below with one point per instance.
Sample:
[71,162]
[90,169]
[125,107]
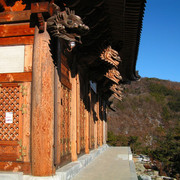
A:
[11,59]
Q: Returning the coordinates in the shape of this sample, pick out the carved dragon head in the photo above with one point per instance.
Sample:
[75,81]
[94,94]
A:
[67,25]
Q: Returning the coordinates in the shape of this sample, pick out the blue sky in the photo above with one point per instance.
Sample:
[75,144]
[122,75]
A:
[159,51]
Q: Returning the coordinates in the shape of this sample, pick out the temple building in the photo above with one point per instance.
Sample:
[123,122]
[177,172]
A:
[60,63]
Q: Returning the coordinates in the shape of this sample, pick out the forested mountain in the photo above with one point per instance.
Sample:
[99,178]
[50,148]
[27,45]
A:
[148,119]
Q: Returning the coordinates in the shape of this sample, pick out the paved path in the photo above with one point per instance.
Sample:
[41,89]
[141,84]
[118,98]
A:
[113,164]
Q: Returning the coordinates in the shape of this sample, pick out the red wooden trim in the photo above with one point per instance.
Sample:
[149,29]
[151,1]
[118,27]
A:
[9,84]
[15,16]
[9,30]
[24,167]
[7,143]
[16,77]
[25,40]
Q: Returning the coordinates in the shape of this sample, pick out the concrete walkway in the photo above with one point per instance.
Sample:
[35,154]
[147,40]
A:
[113,164]
[104,163]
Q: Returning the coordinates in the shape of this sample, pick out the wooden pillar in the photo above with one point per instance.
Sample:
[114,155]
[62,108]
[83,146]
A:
[101,122]
[104,138]
[57,107]
[104,123]
[87,120]
[42,107]
[95,129]
[106,132]
[74,119]
[98,124]
[101,132]
[78,113]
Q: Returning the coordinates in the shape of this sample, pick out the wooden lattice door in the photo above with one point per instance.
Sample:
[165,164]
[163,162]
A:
[10,122]
[62,114]
[81,119]
[65,143]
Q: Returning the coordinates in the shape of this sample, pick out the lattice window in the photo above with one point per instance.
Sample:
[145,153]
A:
[65,122]
[9,102]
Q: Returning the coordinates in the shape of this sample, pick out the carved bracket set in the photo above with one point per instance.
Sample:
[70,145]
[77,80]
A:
[68,26]
[112,57]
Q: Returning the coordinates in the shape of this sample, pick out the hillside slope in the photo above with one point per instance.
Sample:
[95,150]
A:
[147,117]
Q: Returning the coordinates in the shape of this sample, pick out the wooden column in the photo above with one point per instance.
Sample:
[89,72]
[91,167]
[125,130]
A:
[42,107]
[101,141]
[95,129]
[78,113]
[87,121]
[74,119]
[98,124]
[57,107]
[101,122]
[104,123]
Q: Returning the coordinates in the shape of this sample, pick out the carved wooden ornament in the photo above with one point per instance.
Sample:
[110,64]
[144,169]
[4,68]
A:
[111,56]
[117,91]
[114,75]
[66,25]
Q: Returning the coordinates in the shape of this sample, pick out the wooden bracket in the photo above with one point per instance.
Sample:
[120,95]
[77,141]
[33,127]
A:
[41,22]
[43,10]
[40,7]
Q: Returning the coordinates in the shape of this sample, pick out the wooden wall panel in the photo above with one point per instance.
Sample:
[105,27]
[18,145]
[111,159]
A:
[28,58]
[12,59]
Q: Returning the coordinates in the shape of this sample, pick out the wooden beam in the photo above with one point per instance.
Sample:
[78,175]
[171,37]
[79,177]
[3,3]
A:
[9,30]
[6,17]
[40,7]
[16,77]
[24,40]
[43,7]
